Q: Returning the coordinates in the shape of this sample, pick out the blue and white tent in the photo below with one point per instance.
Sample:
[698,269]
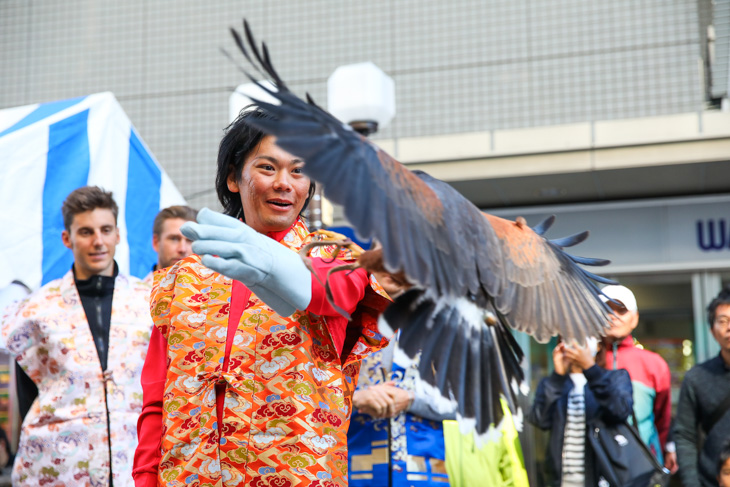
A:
[46,151]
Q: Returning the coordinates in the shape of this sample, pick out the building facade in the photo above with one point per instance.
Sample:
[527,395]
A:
[612,115]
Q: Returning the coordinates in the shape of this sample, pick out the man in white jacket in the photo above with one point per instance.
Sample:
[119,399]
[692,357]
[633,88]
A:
[80,342]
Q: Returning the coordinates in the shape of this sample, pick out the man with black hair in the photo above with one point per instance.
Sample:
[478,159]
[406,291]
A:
[80,343]
[704,402]
[250,371]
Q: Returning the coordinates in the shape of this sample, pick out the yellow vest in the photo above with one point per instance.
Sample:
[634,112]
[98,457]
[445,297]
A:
[496,463]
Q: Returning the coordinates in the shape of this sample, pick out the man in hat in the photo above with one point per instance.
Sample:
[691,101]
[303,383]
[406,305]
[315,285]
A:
[649,373]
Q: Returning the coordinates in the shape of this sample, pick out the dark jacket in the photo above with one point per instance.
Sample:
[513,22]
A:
[608,395]
[704,388]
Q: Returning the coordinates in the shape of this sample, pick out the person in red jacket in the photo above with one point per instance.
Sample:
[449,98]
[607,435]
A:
[649,373]
[251,371]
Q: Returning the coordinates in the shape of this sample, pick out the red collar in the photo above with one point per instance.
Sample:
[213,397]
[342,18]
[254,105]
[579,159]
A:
[278,236]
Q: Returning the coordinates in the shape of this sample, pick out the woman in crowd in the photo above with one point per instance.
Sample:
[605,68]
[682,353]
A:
[577,392]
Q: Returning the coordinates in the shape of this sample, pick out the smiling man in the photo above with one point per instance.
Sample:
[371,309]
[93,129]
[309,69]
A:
[250,371]
[80,343]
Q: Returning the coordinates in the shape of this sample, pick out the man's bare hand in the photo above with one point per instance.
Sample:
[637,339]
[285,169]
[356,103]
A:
[401,400]
[560,362]
[580,355]
[670,462]
[382,400]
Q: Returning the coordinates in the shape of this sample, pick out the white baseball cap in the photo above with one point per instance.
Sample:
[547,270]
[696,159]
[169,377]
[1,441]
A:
[622,294]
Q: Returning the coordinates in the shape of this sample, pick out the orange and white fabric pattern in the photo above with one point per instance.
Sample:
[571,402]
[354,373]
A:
[288,392]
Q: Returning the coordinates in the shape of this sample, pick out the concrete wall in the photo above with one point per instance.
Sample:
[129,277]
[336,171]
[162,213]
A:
[460,66]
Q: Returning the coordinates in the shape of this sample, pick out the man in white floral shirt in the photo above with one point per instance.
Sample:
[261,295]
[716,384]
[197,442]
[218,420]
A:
[80,343]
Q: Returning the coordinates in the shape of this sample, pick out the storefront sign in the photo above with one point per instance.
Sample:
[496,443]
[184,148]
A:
[712,235]
[645,235]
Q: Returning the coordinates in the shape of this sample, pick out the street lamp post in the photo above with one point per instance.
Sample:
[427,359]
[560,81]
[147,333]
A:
[362,96]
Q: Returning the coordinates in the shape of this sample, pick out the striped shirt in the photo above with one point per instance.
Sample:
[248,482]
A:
[574,436]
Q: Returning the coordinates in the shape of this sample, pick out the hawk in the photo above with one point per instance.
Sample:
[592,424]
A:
[472,276]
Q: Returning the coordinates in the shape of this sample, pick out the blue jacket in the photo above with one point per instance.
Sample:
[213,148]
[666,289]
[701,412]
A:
[608,395]
[409,445]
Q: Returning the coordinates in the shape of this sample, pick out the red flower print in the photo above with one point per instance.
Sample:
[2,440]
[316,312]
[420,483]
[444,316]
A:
[285,338]
[192,357]
[289,338]
[277,410]
[323,483]
[324,416]
[271,481]
[228,429]
[188,425]
[270,341]
[235,363]
[279,482]
[327,354]
[197,298]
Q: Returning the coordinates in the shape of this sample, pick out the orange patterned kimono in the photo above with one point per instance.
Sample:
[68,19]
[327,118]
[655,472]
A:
[288,392]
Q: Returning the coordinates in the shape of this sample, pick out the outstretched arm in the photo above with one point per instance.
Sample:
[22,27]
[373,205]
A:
[269,269]
[348,287]
[149,426]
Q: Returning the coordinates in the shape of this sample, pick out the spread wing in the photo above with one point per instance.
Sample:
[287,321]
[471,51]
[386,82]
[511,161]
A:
[431,232]
[464,263]
[467,365]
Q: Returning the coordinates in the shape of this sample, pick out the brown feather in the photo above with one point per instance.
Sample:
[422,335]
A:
[421,193]
[523,246]
[372,262]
